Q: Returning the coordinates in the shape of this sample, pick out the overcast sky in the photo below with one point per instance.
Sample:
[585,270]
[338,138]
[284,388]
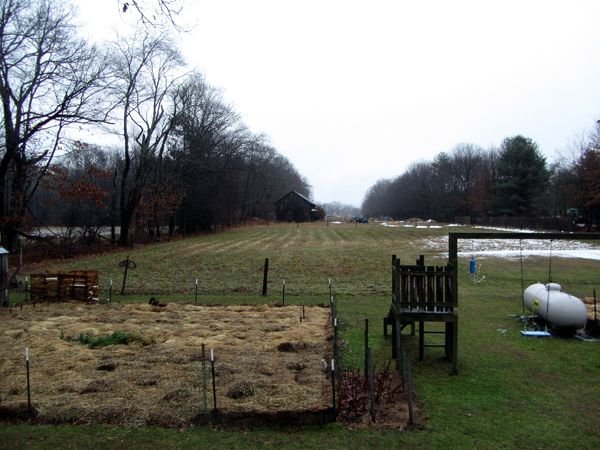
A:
[354,91]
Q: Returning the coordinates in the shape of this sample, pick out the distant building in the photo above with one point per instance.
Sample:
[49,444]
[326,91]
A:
[295,207]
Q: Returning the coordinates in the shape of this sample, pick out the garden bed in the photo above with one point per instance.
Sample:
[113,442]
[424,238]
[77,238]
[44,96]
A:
[138,364]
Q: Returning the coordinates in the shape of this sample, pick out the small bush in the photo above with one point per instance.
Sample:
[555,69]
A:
[115,338]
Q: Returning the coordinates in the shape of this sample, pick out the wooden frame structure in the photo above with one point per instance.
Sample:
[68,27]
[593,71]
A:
[454,237]
[424,294]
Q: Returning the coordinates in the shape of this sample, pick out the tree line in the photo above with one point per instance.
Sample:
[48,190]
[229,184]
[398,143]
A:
[184,160]
[512,180]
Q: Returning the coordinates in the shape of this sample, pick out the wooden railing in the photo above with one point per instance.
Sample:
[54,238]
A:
[420,288]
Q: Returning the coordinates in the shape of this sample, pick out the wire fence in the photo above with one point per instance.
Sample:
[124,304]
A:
[354,392]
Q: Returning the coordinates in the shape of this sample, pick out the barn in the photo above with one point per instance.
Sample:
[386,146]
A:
[296,207]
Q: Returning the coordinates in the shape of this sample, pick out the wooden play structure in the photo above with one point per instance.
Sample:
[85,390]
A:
[422,294]
[60,286]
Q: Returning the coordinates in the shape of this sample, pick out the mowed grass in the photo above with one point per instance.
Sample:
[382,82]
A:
[511,391]
[356,258]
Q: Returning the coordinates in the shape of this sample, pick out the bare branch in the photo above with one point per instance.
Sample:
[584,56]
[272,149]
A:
[154,13]
[49,80]
[146,71]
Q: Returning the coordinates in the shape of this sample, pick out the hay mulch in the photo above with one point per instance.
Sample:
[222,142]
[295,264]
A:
[267,361]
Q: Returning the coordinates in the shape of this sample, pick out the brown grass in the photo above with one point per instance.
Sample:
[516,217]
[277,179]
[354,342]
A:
[266,361]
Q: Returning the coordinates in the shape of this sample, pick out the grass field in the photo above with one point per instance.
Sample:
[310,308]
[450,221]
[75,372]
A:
[511,391]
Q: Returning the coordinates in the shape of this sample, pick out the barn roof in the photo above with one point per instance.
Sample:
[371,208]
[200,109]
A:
[312,205]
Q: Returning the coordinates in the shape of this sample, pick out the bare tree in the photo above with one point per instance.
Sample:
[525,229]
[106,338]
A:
[269,176]
[377,201]
[210,141]
[153,12]
[146,68]
[226,174]
[49,80]
[455,175]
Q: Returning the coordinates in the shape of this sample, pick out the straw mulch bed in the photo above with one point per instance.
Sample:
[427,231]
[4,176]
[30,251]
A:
[267,361]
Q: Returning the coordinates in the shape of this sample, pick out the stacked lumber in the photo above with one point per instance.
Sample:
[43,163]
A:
[38,288]
[589,303]
[59,286]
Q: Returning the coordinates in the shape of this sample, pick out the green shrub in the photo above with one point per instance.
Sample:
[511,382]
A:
[115,338]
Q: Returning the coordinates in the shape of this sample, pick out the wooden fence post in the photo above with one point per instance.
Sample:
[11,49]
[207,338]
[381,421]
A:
[371,381]
[366,348]
[265,276]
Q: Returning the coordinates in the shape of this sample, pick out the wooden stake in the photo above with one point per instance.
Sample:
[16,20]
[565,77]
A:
[366,349]
[265,276]
[410,390]
[371,382]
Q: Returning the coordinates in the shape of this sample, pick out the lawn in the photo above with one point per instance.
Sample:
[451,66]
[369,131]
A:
[511,391]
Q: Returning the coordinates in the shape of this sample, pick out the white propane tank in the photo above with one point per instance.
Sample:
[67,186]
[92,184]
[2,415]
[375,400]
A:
[556,307]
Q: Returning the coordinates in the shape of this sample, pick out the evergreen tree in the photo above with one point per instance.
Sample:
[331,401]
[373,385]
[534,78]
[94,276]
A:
[522,177]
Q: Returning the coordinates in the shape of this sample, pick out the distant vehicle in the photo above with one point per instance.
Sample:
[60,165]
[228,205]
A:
[359,220]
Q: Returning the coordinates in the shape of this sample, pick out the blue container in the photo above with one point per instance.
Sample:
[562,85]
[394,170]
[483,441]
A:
[472,265]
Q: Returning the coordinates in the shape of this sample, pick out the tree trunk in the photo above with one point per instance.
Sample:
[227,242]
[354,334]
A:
[126,216]
[171,225]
